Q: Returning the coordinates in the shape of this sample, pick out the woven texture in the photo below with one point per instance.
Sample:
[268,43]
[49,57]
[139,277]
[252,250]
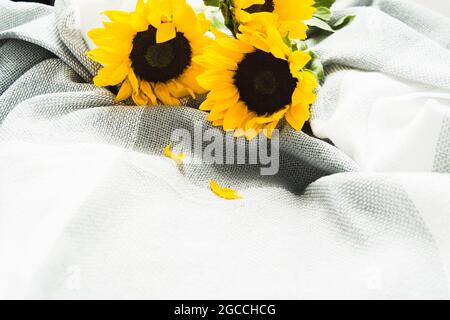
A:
[89,208]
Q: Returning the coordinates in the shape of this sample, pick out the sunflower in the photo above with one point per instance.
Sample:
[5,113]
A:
[149,52]
[255,81]
[291,14]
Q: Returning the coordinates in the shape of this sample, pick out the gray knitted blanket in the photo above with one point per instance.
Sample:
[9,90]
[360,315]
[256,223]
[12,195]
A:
[359,208]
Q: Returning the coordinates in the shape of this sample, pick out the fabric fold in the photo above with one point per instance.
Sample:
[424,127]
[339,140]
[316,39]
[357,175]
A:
[90,207]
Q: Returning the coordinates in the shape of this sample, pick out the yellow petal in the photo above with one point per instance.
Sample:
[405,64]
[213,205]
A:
[234,45]
[163,94]
[214,61]
[238,133]
[309,81]
[225,104]
[140,98]
[189,80]
[218,33]
[133,80]
[256,40]
[268,129]
[165,32]
[120,73]
[250,115]
[304,92]
[148,91]
[154,19]
[244,4]
[203,24]
[217,123]
[251,122]
[298,60]
[225,193]
[138,22]
[250,134]
[104,57]
[213,78]
[185,18]
[138,19]
[112,75]
[117,16]
[295,121]
[177,158]
[223,93]
[216,115]
[295,29]
[296,10]
[124,92]
[234,116]
[176,89]
[207,105]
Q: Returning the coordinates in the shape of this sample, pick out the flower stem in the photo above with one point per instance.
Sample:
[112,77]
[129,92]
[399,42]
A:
[227,9]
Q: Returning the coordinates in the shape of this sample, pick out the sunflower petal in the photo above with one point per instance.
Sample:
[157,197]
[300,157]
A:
[112,75]
[268,129]
[299,59]
[295,121]
[125,91]
[133,81]
[163,94]
[165,32]
[148,91]
[234,116]
[207,105]
[139,98]
[177,158]
[224,193]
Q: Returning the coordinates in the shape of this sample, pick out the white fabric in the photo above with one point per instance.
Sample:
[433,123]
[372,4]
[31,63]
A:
[90,209]
[385,123]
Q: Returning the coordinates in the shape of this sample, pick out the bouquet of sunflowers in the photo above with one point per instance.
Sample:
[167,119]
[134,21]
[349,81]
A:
[255,74]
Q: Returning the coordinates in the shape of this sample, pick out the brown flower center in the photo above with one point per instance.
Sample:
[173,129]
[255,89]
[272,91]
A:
[265,83]
[160,62]
[268,6]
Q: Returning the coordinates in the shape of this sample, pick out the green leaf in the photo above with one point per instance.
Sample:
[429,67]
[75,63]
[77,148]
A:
[300,45]
[212,3]
[228,15]
[323,13]
[318,23]
[324,3]
[217,23]
[288,42]
[344,21]
[316,67]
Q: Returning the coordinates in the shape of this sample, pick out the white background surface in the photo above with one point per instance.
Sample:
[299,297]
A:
[78,202]
[442,6]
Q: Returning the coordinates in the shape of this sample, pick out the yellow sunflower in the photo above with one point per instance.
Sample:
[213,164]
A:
[291,14]
[255,81]
[150,51]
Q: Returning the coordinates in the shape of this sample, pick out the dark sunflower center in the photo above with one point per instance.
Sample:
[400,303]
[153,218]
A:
[160,55]
[160,62]
[268,6]
[264,82]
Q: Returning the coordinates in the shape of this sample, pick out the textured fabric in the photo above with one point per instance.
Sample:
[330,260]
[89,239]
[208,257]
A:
[442,160]
[89,208]
[389,113]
